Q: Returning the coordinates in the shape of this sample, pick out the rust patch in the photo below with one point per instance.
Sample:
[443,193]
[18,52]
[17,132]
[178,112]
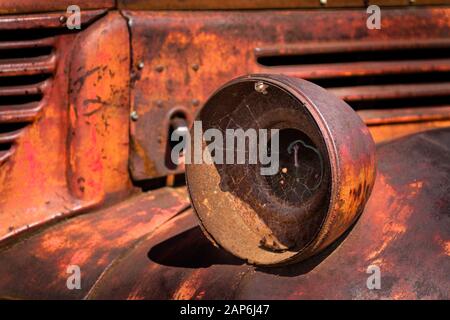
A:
[92,241]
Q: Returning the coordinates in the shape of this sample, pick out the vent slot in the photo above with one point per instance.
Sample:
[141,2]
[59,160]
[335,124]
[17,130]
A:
[387,104]
[356,56]
[409,78]
[32,34]
[27,63]
[20,80]
[5,147]
[22,94]
[6,128]
[25,52]
[372,75]
[19,99]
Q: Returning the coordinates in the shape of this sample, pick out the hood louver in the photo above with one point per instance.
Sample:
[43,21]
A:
[377,78]
[29,46]
[26,69]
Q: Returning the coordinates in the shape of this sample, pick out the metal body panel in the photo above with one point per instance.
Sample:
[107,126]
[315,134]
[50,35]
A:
[68,153]
[30,6]
[261,4]
[36,267]
[405,230]
[99,111]
[72,151]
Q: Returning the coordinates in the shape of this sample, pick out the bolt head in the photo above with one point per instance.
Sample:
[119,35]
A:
[134,115]
[261,87]
[141,65]
[195,102]
[323,2]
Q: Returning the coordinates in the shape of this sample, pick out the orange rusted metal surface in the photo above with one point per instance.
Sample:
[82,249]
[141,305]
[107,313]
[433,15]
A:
[404,230]
[39,21]
[261,4]
[387,133]
[380,117]
[29,6]
[99,111]
[180,58]
[65,148]
[93,242]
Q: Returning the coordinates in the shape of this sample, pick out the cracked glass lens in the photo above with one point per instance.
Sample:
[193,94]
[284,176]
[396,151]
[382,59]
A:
[301,168]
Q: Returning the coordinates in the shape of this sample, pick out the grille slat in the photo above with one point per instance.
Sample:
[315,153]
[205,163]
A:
[405,115]
[354,69]
[23,67]
[5,154]
[338,47]
[9,137]
[395,91]
[20,113]
[28,89]
[30,44]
